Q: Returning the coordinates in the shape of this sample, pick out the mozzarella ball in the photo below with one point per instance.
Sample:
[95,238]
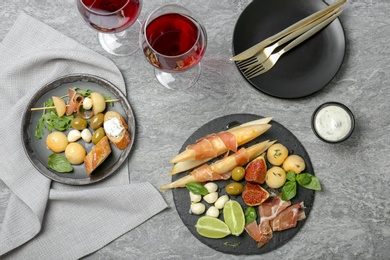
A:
[87,103]
[75,153]
[86,135]
[221,201]
[57,141]
[211,197]
[276,154]
[198,208]
[294,163]
[211,187]
[276,177]
[212,212]
[74,135]
[195,197]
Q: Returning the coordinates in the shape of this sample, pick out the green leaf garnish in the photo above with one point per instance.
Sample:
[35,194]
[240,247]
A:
[59,163]
[289,190]
[232,245]
[197,188]
[250,215]
[313,184]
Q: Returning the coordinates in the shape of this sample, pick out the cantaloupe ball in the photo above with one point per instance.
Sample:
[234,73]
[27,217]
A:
[276,154]
[57,141]
[75,153]
[276,177]
[294,163]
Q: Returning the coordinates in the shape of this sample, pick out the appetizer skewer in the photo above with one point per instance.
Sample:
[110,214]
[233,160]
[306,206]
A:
[43,108]
[221,170]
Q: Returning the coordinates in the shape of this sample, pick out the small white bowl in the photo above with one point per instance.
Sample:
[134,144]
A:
[333,122]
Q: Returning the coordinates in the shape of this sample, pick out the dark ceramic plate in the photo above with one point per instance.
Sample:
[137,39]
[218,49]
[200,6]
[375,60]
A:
[247,246]
[303,70]
[37,151]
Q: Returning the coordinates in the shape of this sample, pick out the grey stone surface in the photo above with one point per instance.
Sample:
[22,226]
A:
[350,217]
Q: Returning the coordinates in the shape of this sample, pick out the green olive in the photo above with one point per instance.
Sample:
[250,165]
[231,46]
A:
[98,135]
[79,123]
[234,188]
[96,121]
[238,173]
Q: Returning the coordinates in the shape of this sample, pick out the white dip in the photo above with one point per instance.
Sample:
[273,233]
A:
[332,123]
[113,127]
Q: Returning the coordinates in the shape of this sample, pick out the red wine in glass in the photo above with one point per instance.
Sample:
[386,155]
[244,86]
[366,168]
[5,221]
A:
[111,18]
[176,38]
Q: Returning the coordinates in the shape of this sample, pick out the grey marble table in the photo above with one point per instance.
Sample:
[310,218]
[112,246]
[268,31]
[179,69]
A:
[350,217]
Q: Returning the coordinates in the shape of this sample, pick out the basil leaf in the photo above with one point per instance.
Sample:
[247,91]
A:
[250,215]
[291,176]
[314,184]
[59,163]
[289,190]
[197,188]
[304,179]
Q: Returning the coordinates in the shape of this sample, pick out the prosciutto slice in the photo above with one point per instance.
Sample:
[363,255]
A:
[268,210]
[253,230]
[205,173]
[208,146]
[289,217]
[74,100]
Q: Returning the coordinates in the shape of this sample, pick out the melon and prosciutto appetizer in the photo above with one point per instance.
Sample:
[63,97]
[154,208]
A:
[221,170]
[216,144]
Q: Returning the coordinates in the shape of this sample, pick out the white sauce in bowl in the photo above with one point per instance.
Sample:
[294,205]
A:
[333,123]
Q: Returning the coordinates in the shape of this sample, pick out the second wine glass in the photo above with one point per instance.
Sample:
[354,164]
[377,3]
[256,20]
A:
[116,23]
[174,41]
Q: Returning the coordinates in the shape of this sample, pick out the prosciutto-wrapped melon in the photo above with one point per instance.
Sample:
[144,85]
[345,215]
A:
[213,145]
[221,170]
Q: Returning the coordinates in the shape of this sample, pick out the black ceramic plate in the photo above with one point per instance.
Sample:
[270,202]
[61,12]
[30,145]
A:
[303,70]
[247,246]
[37,151]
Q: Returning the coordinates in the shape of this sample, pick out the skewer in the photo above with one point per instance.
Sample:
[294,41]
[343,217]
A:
[43,108]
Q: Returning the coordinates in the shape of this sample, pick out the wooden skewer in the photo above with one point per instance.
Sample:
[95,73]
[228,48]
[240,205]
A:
[43,108]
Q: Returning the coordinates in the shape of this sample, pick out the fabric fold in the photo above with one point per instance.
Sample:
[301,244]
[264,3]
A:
[46,220]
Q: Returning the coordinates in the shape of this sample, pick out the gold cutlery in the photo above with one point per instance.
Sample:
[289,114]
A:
[261,45]
[271,61]
[264,54]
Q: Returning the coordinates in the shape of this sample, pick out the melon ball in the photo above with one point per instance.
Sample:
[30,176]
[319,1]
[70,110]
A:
[75,153]
[276,177]
[57,141]
[276,154]
[294,163]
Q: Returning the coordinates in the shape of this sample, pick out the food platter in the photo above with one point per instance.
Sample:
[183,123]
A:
[37,151]
[304,70]
[246,245]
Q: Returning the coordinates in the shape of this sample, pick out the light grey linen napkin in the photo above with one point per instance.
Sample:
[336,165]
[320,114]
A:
[44,219]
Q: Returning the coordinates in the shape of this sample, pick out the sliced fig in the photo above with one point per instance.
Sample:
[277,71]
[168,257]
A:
[253,194]
[256,170]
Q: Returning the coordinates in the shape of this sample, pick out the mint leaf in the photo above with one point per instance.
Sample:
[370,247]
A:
[289,190]
[59,163]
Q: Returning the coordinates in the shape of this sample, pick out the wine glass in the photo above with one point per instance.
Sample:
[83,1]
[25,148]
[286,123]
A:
[174,41]
[116,23]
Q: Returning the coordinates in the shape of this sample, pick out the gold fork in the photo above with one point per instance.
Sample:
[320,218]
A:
[271,61]
[264,54]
